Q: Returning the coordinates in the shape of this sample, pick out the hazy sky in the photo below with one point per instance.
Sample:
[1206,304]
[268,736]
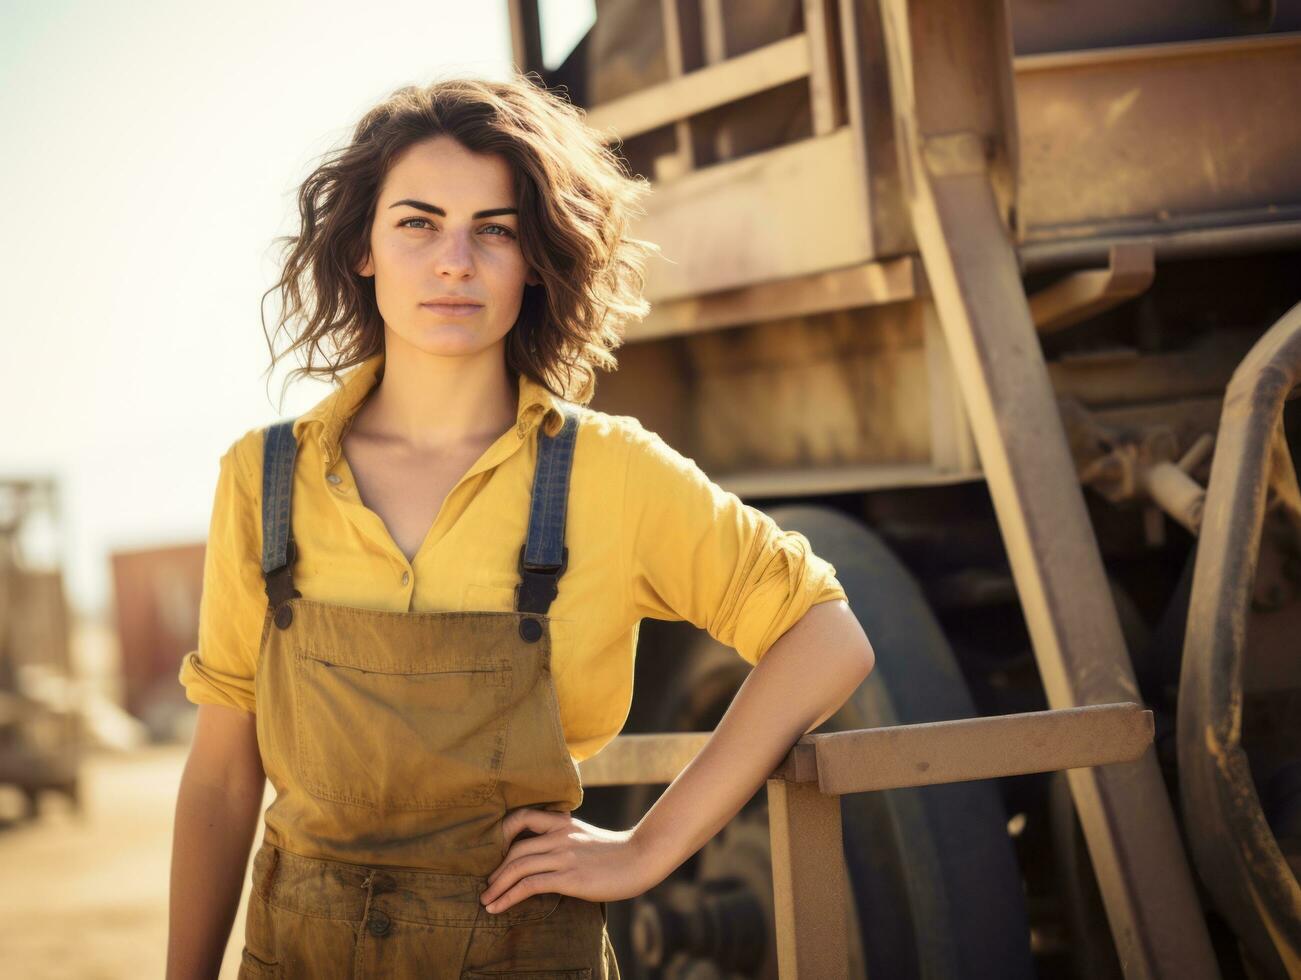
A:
[153,150]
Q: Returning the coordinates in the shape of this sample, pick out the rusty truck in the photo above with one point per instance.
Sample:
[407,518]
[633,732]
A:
[997,303]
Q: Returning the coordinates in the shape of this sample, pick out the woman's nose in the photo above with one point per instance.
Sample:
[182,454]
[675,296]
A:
[454,256]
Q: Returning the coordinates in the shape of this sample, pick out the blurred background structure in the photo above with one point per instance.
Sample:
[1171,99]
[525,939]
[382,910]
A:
[826,340]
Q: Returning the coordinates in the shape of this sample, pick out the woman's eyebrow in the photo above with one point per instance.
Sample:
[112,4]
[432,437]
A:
[435,209]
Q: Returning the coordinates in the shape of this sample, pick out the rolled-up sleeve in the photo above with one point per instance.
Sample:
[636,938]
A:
[696,552]
[232,604]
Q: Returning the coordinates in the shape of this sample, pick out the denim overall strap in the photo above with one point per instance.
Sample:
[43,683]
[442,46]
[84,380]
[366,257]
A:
[544,557]
[279,449]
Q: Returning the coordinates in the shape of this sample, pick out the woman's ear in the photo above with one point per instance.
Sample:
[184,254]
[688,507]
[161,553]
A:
[367,268]
[532,279]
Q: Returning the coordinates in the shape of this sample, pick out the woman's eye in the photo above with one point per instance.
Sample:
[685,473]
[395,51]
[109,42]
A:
[503,230]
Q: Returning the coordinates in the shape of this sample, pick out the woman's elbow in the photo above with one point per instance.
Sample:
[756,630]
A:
[851,638]
[869,658]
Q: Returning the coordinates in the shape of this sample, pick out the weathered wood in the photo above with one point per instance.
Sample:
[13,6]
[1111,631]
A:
[867,284]
[953,447]
[887,758]
[826,76]
[981,748]
[525,35]
[756,71]
[757,219]
[808,874]
[680,35]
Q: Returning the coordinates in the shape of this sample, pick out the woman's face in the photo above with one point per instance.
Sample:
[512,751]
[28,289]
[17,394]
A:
[446,228]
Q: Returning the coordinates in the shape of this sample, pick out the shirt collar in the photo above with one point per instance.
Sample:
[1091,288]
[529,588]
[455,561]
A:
[333,413]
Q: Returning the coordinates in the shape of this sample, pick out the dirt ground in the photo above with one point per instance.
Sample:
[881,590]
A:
[85,895]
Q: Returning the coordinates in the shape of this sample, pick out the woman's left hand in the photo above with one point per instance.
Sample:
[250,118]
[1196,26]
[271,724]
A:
[567,856]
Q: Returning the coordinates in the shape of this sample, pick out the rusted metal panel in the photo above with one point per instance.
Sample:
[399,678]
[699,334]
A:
[1250,880]
[1159,137]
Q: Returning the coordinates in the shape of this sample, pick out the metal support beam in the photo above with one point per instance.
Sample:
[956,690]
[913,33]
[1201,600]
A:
[951,82]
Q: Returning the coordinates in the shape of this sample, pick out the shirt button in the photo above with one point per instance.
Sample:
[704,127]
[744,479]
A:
[335,478]
[406,577]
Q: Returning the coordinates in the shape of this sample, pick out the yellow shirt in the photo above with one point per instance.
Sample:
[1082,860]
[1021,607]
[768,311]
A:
[649,535]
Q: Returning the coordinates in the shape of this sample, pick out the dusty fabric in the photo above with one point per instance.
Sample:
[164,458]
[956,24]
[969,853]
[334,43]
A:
[396,744]
[315,919]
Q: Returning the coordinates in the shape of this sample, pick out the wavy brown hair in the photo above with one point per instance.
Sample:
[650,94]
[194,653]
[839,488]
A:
[575,200]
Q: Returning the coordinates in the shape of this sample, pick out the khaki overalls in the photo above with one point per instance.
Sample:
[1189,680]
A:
[396,743]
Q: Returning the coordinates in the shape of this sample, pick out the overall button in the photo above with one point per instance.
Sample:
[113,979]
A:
[406,577]
[335,478]
[378,923]
[531,630]
[284,616]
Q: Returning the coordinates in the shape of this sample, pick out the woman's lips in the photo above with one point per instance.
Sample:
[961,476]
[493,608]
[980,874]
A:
[453,309]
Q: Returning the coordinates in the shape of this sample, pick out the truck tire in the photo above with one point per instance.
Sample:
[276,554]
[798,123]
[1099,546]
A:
[932,869]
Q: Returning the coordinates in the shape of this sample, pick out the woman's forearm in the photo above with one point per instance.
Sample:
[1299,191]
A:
[214,830]
[807,674]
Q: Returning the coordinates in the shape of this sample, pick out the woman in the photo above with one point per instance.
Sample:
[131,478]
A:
[421,598]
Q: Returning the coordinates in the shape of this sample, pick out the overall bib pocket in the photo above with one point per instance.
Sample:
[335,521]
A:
[400,737]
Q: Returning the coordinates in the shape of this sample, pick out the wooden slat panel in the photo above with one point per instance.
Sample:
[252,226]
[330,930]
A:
[677,37]
[769,216]
[870,284]
[757,71]
[826,80]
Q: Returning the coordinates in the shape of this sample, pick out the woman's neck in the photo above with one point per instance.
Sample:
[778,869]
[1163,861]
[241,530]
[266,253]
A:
[432,402]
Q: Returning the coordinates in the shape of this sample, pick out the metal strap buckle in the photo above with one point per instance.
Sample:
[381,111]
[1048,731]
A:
[280,581]
[538,586]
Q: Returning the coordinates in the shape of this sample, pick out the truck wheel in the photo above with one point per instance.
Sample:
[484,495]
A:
[932,869]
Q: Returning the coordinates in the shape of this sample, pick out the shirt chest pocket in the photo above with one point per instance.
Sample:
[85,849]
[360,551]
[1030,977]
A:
[488,598]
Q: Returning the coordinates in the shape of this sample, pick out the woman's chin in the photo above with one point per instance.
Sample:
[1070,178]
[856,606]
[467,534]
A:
[449,340]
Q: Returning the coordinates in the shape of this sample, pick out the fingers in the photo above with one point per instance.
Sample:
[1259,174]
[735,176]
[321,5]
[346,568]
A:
[532,885]
[521,848]
[518,874]
[529,818]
